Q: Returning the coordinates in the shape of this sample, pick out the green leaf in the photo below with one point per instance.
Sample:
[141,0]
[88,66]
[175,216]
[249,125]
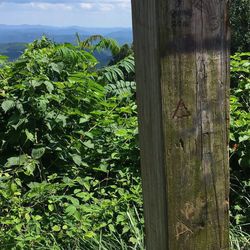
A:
[18,182]
[133,240]
[89,144]
[37,153]
[77,159]
[244,138]
[86,185]
[16,161]
[29,135]
[35,83]
[70,210]
[111,228]
[55,67]
[18,226]
[20,122]
[84,119]
[120,218]
[90,135]
[76,191]
[13,187]
[125,229]
[30,167]
[74,201]
[38,217]
[90,234]
[7,105]
[27,217]
[81,195]
[56,228]
[51,207]
[49,86]
[62,119]
[121,132]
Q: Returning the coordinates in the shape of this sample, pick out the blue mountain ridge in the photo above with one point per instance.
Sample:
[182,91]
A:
[13,38]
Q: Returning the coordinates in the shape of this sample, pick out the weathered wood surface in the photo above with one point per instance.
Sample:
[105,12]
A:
[182,68]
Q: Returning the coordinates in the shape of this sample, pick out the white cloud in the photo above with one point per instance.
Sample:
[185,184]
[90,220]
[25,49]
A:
[98,5]
[95,13]
[47,6]
[106,6]
[86,6]
[125,4]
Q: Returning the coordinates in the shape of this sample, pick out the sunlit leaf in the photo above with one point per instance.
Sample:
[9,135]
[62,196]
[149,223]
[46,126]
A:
[7,105]
[37,153]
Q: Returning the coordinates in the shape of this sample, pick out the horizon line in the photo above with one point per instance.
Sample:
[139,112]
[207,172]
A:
[70,26]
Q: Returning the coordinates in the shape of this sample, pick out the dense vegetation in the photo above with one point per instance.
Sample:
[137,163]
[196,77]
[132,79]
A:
[69,156]
[240,25]
[240,150]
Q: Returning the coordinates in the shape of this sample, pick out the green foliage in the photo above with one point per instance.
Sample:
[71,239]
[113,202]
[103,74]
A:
[240,25]
[124,51]
[68,153]
[240,141]
[121,87]
[99,43]
[3,59]
[122,70]
[239,239]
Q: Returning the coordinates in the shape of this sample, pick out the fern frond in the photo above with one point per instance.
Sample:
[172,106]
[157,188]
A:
[108,43]
[116,72]
[120,88]
[99,43]
[128,63]
[88,43]
[67,53]
[78,39]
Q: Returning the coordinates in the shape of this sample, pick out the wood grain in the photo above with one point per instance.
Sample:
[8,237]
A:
[182,71]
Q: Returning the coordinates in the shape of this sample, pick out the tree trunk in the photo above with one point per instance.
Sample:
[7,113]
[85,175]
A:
[182,70]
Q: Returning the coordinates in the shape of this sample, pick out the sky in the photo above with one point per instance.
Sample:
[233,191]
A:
[86,13]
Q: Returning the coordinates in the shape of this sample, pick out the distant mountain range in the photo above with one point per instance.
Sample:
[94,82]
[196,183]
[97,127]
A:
[28,33]
[14,37]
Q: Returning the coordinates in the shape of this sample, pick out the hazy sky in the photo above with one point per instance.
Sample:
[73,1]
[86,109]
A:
[88,13]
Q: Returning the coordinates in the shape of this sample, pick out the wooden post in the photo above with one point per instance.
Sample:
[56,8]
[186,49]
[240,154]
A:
[182,68]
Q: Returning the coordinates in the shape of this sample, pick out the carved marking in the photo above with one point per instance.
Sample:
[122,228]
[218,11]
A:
[188,211]
[193,211]
[181,110]
[210,7]
[181,229]
[181,17]
[178,3]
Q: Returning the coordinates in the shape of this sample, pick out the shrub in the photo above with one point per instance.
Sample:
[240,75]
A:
[68,153]
[240,141]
